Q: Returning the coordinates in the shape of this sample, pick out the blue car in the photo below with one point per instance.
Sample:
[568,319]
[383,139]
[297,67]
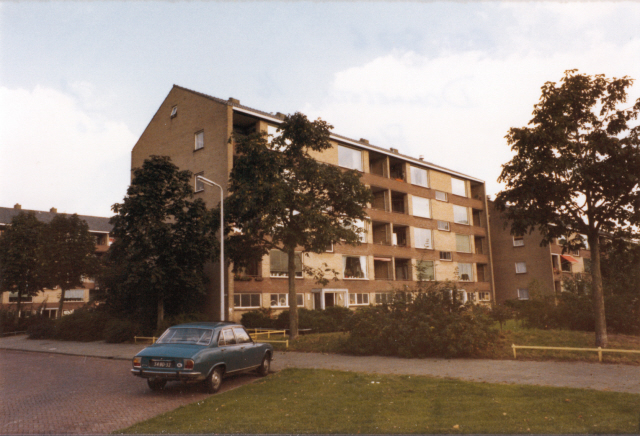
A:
[201,352]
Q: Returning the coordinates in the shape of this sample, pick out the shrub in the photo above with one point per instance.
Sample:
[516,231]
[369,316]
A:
[83,325]
[258,319]
[119,330]
[501,314]
[432,324]
[44,328]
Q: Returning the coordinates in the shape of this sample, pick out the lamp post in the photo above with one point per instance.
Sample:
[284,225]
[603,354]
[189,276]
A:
[209,182]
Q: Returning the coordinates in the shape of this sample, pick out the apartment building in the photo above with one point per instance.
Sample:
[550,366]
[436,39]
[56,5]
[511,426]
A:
[519,260]
[424,218]
[48,300]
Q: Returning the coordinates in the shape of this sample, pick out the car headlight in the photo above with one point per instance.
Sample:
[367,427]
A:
[137,362]
[188,364]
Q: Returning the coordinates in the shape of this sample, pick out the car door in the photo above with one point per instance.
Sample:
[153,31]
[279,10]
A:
[248,348]
[230,350]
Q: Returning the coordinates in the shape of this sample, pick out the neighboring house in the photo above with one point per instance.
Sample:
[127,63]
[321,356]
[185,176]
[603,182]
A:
[422,214]
[48,300]
[519,260]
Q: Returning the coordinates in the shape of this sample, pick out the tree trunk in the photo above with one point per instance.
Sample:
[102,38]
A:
[293,302]
[160,312]
[598,296]
[19,305]
[61,303]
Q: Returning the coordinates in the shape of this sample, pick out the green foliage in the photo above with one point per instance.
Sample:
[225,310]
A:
[283,198]
[162,240]
[501,314]
[258,319]
[430,325]
[43,328]
[117,331]
[181,318]
[84,325]
[332,319]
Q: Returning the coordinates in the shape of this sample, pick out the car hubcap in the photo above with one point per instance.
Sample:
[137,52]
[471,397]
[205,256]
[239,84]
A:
[215,379]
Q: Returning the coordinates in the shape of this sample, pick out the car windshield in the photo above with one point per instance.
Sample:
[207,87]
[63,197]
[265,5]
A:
[186,336]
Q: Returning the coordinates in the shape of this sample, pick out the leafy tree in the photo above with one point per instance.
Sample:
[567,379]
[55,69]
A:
[576,169]
[282,198]
[67,253]
[621,268]
[163,238]
[20,265]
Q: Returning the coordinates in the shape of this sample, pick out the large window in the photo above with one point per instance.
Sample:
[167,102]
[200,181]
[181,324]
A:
[421,207]
[282,300]
[458,187]
[426,270]
[199,140]
[358,299]
[419,177]
[384,297]
[460,215]
[423,238]
[246,300]
[521,267]
[463,244]
[465,272]
[279,264]
[349,158]
[354,267]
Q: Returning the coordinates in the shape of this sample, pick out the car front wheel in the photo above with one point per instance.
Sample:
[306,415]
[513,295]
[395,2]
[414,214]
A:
[156,384]
[263,369]
[214,381]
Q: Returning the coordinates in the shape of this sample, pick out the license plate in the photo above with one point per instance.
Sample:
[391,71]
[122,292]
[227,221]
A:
[161,363]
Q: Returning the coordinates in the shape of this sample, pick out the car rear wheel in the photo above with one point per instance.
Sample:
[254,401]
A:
[156,384]
[263,369]
[214,381]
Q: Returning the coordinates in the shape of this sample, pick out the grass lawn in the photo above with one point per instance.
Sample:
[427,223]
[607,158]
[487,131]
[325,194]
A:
[512,334]
[322,401]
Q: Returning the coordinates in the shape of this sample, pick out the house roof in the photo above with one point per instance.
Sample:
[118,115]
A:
[95,223]
[275,119]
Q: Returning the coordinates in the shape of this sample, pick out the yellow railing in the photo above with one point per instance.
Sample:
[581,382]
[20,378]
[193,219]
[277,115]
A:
[257,334]
[599,350]
[153,339]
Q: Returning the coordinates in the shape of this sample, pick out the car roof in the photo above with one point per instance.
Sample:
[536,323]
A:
[207,325]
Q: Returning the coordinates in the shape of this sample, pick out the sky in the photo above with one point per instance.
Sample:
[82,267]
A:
[79,81]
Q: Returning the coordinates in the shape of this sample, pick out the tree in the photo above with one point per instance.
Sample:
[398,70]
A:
[20,265]
[576,169]
[282,198]
[67,253]
[163,239]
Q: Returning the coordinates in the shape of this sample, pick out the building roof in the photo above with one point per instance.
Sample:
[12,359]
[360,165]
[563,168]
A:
[95,223]
[275,119]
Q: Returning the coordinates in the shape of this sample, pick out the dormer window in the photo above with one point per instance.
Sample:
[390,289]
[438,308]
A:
[174,111]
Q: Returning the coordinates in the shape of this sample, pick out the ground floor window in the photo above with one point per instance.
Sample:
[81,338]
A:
[384,297]
[471,296]
[523,294]
[246,300]
[282,300]
[358,299]
[484,296]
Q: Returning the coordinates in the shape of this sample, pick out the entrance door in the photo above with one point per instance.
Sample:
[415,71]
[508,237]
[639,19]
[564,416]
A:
[317,301]
[329,299]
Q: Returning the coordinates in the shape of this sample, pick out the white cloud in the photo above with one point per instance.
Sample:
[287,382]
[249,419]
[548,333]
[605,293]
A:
[56,154]
[456,108]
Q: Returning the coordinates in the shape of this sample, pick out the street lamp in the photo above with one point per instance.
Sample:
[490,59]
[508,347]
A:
[209,182]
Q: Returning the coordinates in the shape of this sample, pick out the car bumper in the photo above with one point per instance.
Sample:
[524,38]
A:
[168,375]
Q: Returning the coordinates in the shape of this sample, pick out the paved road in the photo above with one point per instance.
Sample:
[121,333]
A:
[42,393]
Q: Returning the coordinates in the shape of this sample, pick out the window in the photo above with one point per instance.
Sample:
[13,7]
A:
[523,294]
[349,158]
[174,111]
[471,296]
[74,295]
[565,265]
[465,272]
[423,238]
[443,225]
[445,255]
[458,187]
[419,177]
[226,337]
[246,300]
[279,264]
[587,265]
[358,299]
[241,335]
[358,226]
[200,140]
[426,270]
[575,252]
[13,298]
[463,243]
[484,296]
[282,300]
[421,207]
[441,196]
[384,297]
[354,267]
[460,215]
[199,183]
[518,241]
[521,267]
